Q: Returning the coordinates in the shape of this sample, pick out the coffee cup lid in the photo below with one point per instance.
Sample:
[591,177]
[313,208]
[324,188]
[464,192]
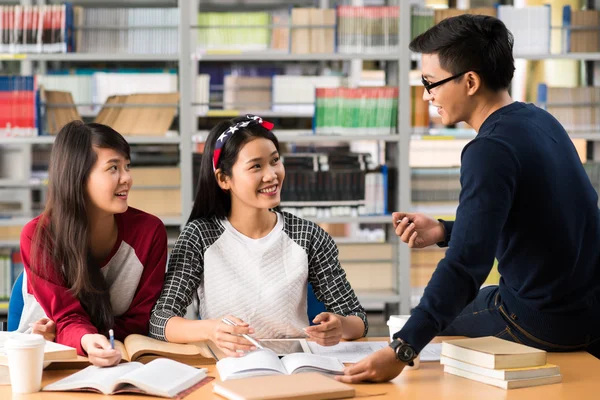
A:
[24,341]
[397,319]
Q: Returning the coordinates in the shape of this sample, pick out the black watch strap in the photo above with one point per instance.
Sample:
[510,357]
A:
[404,351]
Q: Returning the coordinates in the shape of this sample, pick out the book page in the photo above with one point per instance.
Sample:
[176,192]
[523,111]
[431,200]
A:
[256,363]
[163,377]
[102,379]
[121,347]
[347,352]
[302,362]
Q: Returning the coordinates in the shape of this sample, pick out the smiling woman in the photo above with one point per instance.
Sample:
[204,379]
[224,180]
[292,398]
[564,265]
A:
[91,262]
[244,258]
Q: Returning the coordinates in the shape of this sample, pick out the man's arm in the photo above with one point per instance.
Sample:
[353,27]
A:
[488,178]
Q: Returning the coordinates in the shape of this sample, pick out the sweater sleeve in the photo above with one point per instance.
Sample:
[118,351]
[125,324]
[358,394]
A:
[184,276]
[328,278]
[489,176]
[57,301]
[135,319]
[448,225]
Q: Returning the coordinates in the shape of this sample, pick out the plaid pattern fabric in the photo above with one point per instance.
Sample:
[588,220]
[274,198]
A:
[186,266]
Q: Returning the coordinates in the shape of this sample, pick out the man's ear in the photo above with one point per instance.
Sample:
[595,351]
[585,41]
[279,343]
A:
[473,82]
[222,179]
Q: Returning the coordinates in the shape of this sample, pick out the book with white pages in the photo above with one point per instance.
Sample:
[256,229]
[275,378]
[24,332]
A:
[52,351]
[161,377]
[504,374]
[264,362]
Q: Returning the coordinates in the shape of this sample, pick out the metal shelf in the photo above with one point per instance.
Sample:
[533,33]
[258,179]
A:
[307,136]
[275,56]
[15,221]
[9,243]
[373,296]
[48,139]
[86,57]
[340,203]
[262,113]
[564,56]
[363,219]
[592,136]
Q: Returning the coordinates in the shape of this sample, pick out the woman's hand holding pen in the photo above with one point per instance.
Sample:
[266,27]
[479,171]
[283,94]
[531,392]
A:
[99,350]
[418,230]
[229,338]
[328,331]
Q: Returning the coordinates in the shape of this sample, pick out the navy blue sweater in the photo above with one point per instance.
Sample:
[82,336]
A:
[527,201]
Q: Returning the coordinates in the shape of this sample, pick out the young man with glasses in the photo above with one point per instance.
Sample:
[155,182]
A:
[525,199]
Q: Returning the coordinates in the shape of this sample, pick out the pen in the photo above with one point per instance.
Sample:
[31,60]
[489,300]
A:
[248,338]
[111,336]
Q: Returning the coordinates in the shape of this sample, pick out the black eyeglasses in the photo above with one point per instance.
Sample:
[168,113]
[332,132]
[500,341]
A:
[428,86]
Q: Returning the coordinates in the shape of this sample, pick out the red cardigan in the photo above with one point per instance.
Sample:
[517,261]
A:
[134,271]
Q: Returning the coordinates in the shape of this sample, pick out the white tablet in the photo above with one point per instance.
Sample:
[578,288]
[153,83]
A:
[286,346]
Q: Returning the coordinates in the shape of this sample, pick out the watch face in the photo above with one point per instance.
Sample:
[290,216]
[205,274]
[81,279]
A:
[406,353]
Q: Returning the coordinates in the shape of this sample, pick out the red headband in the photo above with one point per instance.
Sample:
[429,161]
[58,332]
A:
[251,119]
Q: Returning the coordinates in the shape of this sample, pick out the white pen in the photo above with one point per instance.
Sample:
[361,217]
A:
[248,338]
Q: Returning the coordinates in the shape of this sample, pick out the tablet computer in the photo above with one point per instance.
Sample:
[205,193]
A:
[283,347]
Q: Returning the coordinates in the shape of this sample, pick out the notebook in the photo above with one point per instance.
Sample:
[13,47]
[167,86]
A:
[161,377]
[52,351]
[266,362]
[310,386]
[492,352]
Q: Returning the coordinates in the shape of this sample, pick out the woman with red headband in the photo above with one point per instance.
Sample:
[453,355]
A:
[247,260]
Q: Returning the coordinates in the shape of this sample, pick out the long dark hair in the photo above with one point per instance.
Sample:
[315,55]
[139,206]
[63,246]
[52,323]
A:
[211,200]
[62,235]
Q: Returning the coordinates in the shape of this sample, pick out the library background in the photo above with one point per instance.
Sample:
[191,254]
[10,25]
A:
[335,76]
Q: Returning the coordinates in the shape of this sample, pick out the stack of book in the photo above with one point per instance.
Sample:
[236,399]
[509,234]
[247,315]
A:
[498,362]
[222,31]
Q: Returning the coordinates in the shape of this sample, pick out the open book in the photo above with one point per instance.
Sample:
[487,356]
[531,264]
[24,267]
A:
[52,351]
[145,349]
[161,377]
[266,362]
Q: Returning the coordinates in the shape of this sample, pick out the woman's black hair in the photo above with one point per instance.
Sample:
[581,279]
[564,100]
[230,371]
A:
[211,200]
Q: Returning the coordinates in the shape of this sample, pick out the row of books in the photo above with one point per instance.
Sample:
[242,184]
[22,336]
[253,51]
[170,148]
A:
[576,108]
[11,266]
[18,105]
[356,110]
[127,30]
[36,29]
[530,26]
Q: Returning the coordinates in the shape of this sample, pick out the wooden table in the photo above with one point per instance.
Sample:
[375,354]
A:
[581,381]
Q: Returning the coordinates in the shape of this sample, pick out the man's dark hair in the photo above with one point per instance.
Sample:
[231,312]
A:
[471,43]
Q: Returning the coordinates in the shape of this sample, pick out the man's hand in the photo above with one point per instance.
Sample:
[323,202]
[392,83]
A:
[381,366]
[99,351]
[329,330]
[418,230]
[45,327]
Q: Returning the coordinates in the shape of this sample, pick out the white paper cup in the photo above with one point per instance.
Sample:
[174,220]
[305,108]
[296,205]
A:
[25,362]
[395,323]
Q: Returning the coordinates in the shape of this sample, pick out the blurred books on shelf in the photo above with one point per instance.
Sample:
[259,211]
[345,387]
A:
[369,29]
[356,110]
[36,29]
[18,104]
[530,27]
[581,30]
[235,31]
[126,30]
[313,31]
[441,14]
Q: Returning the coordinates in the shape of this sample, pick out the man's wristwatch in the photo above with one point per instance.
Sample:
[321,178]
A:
[404,351]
